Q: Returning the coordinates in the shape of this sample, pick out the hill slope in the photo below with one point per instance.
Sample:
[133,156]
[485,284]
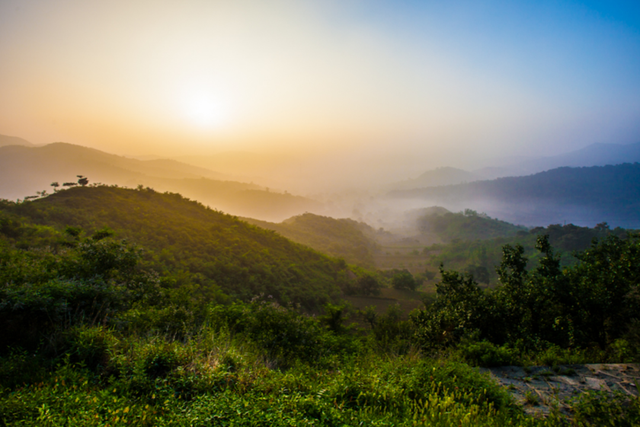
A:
[338,237]
[438,177]
[184,236]
[25,170]
[593,155]
[13,140]
[583,196]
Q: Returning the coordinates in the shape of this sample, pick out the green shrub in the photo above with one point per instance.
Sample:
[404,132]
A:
[598,408]
[31,312]
[487,354]
[160,359]
[91,346]
[20,367]
[283,334]
[468,385]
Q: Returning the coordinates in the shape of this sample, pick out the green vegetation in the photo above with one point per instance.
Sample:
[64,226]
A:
[481,257]
[192,246]
[98,331]
[341,238]
[467,225]
[593,305]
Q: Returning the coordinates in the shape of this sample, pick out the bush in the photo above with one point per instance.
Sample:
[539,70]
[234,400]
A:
[30,312]
[282,333]
[486,354]
[467,384]
[21,368]
[89,345]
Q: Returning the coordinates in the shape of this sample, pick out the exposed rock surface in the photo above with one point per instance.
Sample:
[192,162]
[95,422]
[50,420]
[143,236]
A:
[540,389]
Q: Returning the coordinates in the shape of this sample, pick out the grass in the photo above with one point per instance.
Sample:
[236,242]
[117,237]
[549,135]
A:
[216,379]
[531,398]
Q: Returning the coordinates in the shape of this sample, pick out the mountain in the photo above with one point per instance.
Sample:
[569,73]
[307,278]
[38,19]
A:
[582,196]
[245,164]
[184,238]
[592,155]
[598,154]
[26,170]
[342,238]
[13,140]
[437,177]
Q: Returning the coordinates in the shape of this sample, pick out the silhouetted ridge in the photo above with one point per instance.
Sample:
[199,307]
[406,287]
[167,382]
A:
[586,195]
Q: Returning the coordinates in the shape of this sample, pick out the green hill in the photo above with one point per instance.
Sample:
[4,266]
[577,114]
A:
[467,225]
[342,238]
[185,239]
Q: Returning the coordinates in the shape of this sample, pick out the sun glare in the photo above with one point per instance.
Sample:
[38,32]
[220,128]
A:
[204,111]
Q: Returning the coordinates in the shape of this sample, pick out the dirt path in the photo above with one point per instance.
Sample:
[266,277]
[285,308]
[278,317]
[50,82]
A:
[540,388]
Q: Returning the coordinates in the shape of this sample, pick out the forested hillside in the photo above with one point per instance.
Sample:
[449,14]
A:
[191,243]
[342,238]
[482,257]
[467,225]
[99,331]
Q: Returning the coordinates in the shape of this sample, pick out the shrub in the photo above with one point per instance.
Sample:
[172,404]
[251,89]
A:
[91,346]
[487,354]
[281,332]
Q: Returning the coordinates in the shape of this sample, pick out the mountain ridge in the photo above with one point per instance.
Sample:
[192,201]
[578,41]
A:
[585,195]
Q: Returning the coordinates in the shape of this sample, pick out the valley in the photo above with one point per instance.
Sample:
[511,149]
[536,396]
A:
[200,291]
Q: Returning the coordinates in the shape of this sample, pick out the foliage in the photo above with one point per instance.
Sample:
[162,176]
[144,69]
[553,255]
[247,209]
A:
[593,303]
[341,238]
[481,257]
[467,225]
[284,335]
[95,336]
[181,235]
[599,408]
[404,280]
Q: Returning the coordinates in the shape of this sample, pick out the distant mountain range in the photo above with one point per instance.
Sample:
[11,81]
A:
[25,170]
[582,196]
[592,155]
[13,140]
[438,177]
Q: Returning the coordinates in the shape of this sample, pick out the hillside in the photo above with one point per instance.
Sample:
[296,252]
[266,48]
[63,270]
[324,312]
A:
[467,225]
[592,155]
[342,238]
[185,239]
[13,140]
[27,170]
[437,177]
[584,196]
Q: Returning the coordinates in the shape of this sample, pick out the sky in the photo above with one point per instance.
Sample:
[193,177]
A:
[422,83]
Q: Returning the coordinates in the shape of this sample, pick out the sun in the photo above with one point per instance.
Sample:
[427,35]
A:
[204,110]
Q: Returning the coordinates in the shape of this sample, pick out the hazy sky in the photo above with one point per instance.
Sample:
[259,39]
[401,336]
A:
[425,79]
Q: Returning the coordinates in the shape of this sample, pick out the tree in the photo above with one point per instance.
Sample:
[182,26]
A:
[404,280]
[82,180]
[368,285]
